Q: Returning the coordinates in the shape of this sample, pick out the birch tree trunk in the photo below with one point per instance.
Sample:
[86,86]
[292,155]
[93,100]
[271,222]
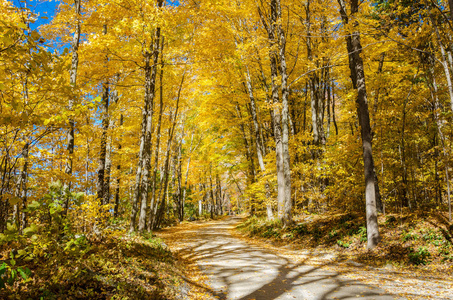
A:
[286,216]
[439,125]
[73,82]
[19,214]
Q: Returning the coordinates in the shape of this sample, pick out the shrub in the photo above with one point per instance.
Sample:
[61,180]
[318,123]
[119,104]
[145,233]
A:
[419,257]
[406,236]
[343,244]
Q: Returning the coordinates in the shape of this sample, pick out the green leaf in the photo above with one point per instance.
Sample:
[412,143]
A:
[13,276]
[24,273]
[11,228]
[34,205]
[30,230]
[3,268]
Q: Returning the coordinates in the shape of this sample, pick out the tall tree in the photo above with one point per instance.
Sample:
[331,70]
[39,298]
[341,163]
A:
[356,67]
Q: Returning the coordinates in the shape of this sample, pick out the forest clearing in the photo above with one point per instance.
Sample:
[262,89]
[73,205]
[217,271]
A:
[131,129]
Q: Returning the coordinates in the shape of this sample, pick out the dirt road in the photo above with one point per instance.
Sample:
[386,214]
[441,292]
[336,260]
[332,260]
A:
[238,270]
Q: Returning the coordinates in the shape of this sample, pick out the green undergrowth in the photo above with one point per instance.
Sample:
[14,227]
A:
[411,239]
[111,267]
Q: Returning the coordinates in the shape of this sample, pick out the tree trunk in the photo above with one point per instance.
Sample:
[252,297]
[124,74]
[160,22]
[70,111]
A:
[154,203]
[260,151]
[103,148]
[187,171]
[358,81]
[157,218]
[436,114]
[251,174]
[20,215]
[118,179]
[150,85]
[138,174]
[73,82]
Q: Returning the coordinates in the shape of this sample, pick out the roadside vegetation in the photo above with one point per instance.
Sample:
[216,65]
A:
[111,265]
[408,240]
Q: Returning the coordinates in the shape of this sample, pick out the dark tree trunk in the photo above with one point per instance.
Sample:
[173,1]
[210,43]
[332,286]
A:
[358,81]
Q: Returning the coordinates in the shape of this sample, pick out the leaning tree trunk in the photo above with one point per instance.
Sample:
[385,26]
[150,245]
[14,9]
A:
[358,81]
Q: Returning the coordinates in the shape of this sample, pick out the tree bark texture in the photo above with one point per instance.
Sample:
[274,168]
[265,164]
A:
[358,80]
[150,87]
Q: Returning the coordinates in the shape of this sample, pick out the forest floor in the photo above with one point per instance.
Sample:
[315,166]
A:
[228,264]
[108,267]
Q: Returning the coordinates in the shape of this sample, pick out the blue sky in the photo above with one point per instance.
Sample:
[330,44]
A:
[44,8]
[47,8]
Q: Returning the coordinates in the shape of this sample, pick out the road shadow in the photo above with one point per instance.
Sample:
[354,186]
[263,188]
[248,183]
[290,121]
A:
[238,270]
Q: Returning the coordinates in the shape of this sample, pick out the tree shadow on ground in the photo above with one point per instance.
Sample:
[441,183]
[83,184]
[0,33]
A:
[240,271]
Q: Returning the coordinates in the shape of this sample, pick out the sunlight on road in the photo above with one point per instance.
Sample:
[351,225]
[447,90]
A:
[237,270]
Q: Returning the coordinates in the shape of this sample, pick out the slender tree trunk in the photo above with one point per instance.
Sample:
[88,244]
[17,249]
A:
[159,214]
[138,174]
[251,174]
[444,64]
[73,82]
[118,178]
[161,209]
[87,162]
[20,215]
[211,191]
[103,149]
[154,202]
[187,171]
[260,151]
[108,149]
[358,80]
[436,113]
[178,172]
